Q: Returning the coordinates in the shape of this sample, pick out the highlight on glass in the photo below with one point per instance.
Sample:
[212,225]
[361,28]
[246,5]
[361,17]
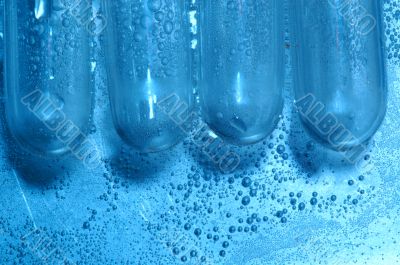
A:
[339,69]
[147,56]
[242,58]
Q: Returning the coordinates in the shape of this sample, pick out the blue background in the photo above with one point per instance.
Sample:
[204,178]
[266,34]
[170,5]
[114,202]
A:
[133,208]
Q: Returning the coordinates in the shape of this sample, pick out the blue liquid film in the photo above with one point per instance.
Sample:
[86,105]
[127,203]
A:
[148,61]
[339,68]
[242,68]
[47,74]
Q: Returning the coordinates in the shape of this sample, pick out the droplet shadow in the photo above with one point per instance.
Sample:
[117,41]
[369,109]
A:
[128,163]
[212,154]
[312,155]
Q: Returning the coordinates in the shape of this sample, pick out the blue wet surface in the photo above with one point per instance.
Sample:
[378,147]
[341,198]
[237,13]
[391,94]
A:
[176,207]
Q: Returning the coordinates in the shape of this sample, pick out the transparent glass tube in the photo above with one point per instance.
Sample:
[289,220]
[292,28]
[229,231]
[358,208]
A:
[147,62]
[242,68]
[47,74]
[339,69]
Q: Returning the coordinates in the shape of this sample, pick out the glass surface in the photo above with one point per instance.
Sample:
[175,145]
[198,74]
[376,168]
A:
[242,68]
[339,69]
[47,75]
[147,63]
